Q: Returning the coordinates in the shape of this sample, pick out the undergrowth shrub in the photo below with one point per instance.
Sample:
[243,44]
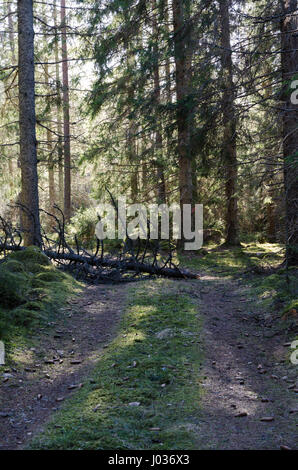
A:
[281,288]
[83,226]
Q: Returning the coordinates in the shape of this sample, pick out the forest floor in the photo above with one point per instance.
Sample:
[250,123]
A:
[56,362]
[250,389]
[162,364]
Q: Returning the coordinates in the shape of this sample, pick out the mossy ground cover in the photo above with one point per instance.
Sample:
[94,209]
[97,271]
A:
[31,291]
[145,390]
[234,261]
[277,290]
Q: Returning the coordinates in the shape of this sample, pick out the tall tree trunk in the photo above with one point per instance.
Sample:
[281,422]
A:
[50,159]
[14,167]
[132,130]
[144,172]
[289,62]
[51,165]
[14,60]
[270,229]
[168,86]
[67,157]
[11,35]
[161,184]
[229,149]
[132,157]
[195,195]
[58,118]
[183,75]
[28,155]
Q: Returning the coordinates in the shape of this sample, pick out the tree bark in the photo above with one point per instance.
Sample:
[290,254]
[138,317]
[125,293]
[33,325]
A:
[123,264]
[50,159]
[229,149]
[133,161]
[289,62]
[28,155]
[161,184]
[131,131]
[168,86]
[58,112]
[271,229]
[11,35]
[14,60]
[182,75]
[67,155]
[132,157]
[51,164]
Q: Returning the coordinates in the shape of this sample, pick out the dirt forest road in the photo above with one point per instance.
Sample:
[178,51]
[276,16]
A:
[249,387]
[45,376]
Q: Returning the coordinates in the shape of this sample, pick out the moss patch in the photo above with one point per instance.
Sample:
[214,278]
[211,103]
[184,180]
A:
[277,292]
[31,289]
[233,261]
[145,392]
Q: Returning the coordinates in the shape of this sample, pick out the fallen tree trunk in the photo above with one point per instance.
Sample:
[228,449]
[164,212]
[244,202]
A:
[132,260]
[4,248]
[118,264]
[124,265]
